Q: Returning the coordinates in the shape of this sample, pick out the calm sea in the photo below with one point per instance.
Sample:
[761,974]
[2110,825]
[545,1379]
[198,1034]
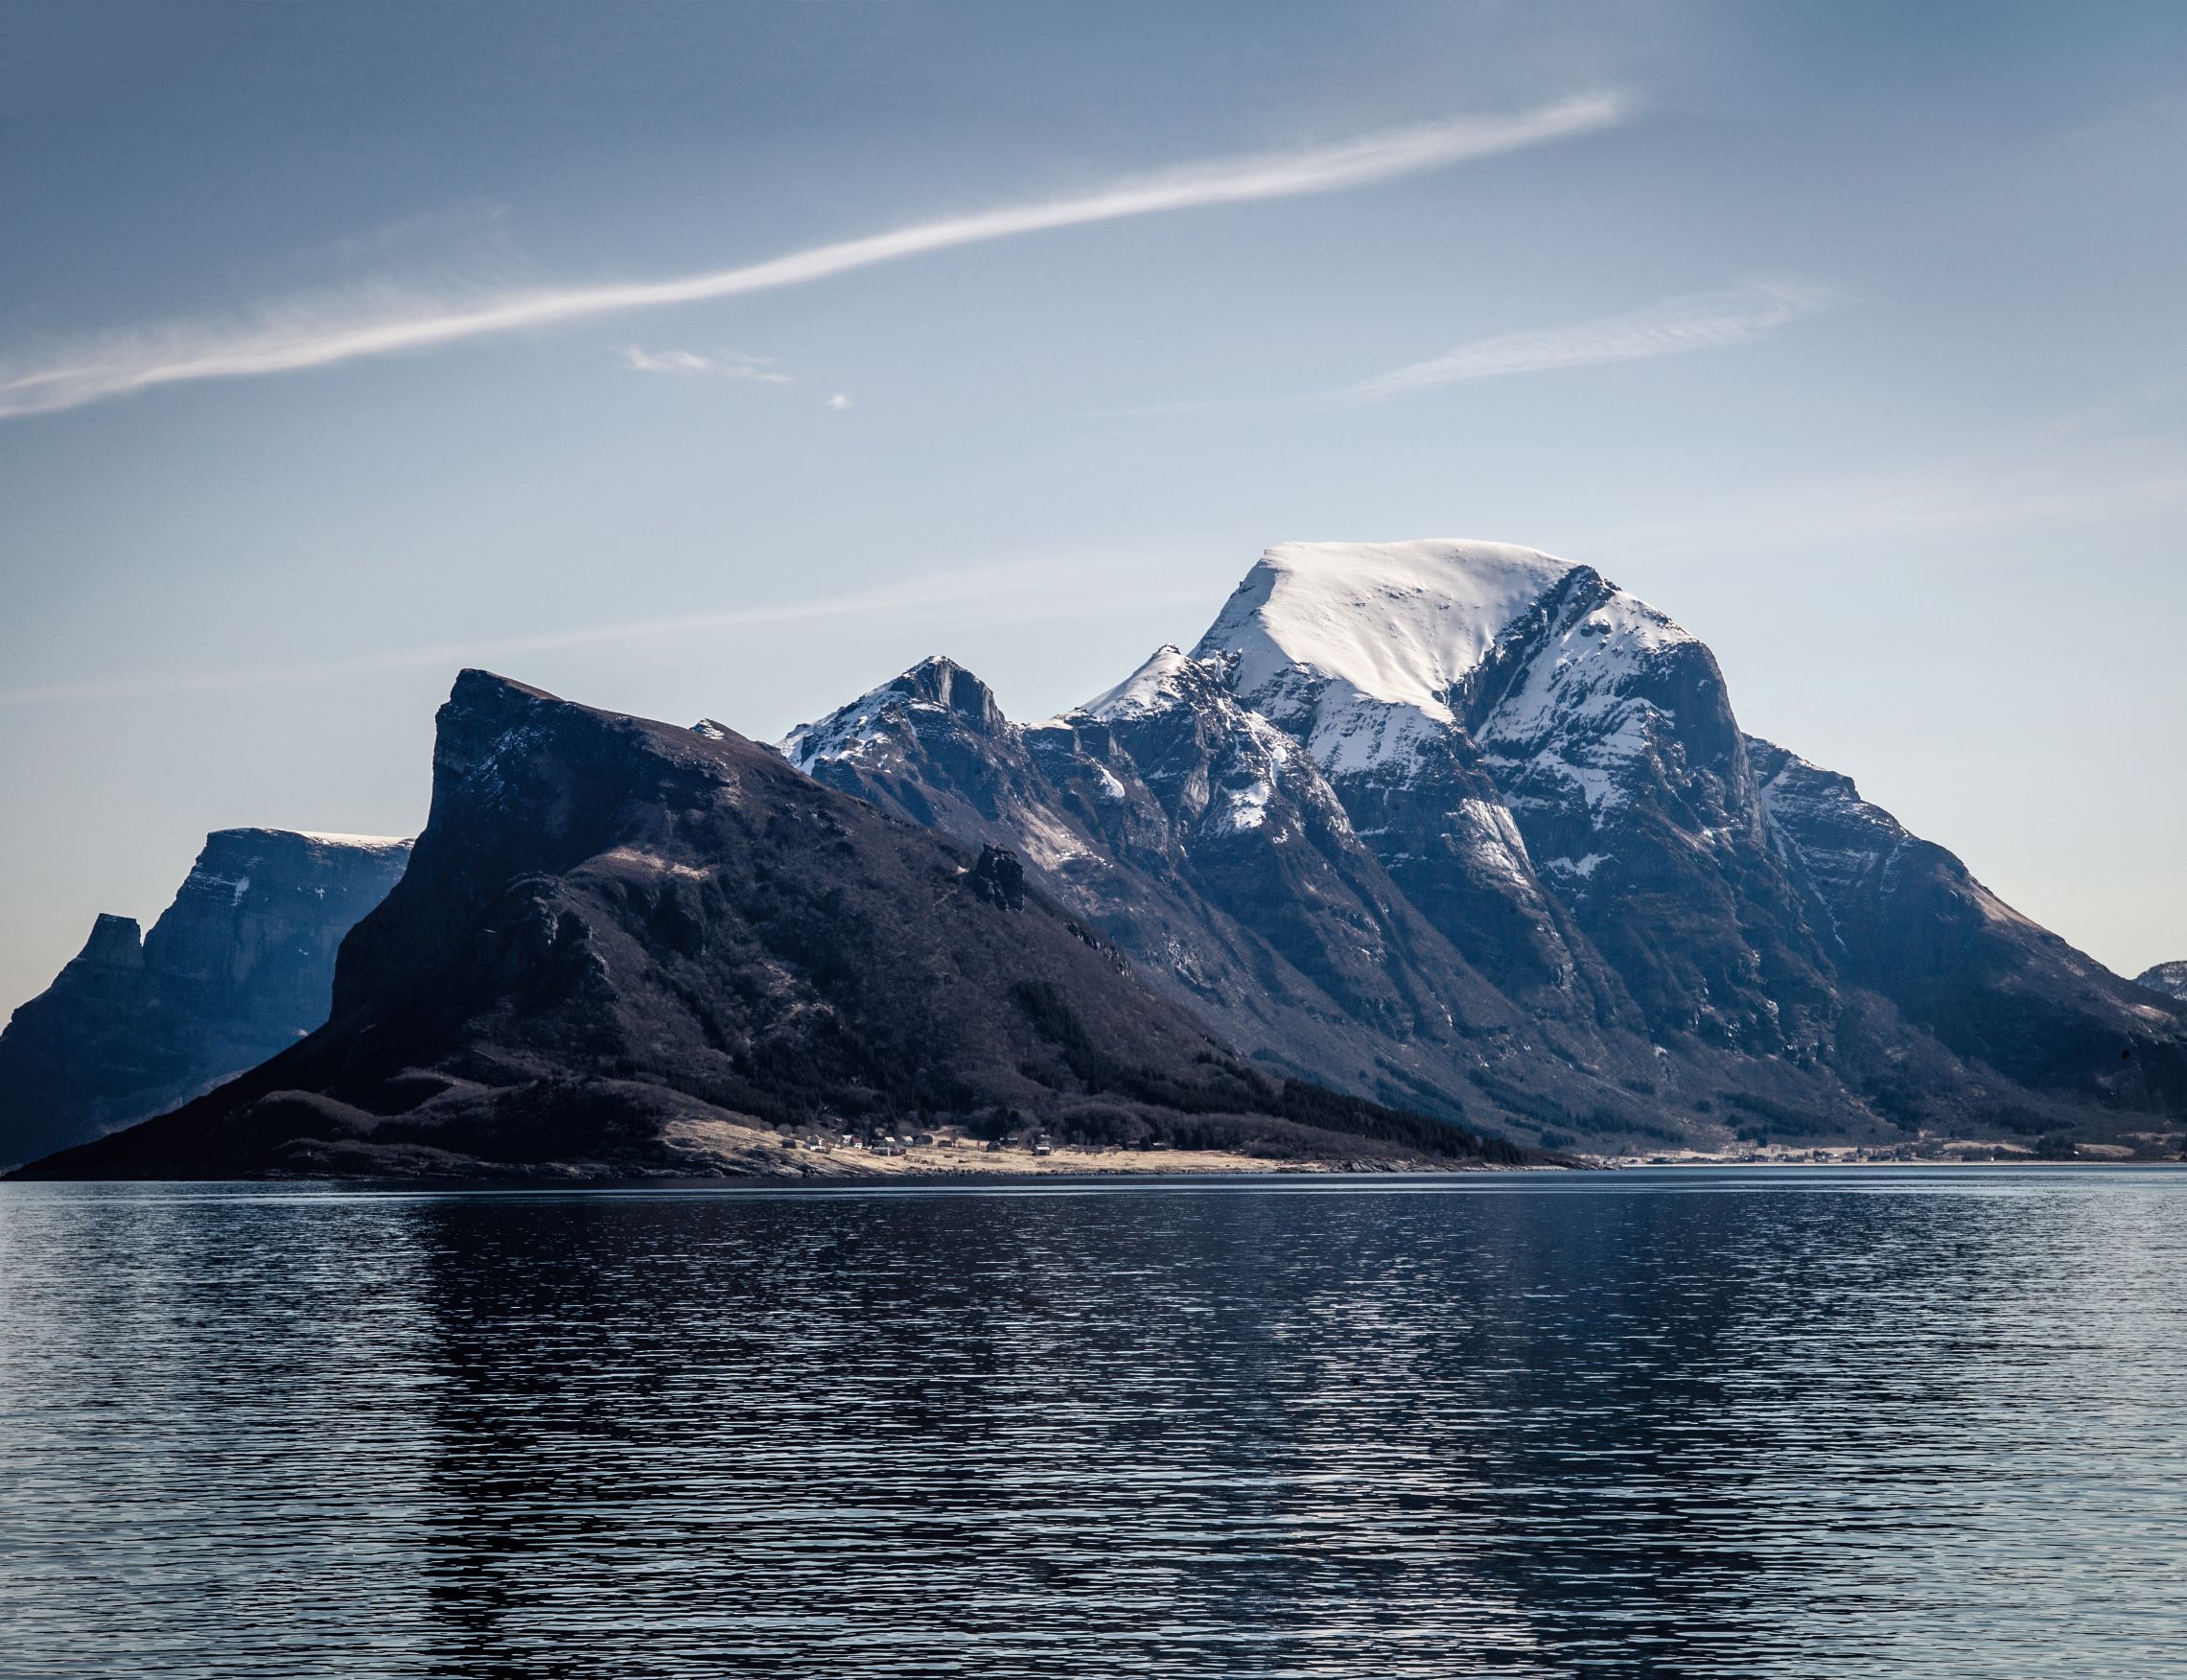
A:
[1788,1423]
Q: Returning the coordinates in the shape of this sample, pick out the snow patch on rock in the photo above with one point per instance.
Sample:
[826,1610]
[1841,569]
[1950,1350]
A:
[1396,622]
[356,842]
[1496,841]
[1168,678]
[1356,647]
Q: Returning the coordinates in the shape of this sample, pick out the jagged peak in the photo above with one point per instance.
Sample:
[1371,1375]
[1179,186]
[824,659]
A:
[1404,623]
[936,681]
[1364,649]
[1168,677]
[477,686]
[480,708]
[942,682]
[116,941]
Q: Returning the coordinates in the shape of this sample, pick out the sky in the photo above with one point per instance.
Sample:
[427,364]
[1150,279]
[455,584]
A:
[725,360]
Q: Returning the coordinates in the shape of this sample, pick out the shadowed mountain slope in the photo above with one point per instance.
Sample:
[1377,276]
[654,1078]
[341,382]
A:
[1903,918]
[621,945]
[1469,819]
[239,967]
[1212,850]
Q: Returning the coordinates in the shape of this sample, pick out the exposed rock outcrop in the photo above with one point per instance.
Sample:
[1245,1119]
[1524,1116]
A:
[2168,978]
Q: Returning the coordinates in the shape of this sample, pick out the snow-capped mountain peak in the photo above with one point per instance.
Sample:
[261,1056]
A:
[936,686]
[1168,677]
[1399,623]
[1362,649]
[1469,819]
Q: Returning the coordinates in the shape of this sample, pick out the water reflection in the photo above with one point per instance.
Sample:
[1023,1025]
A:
[1754,1424]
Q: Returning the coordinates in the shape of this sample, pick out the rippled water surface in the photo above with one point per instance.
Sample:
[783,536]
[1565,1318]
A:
[1773,1423]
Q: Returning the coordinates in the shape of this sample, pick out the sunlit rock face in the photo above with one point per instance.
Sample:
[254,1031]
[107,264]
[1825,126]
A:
[239,967]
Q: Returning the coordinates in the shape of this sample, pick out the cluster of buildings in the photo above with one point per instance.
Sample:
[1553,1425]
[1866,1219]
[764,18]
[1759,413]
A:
[891,1143]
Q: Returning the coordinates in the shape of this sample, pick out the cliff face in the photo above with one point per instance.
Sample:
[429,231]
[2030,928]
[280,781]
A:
[622,948]
[239,967]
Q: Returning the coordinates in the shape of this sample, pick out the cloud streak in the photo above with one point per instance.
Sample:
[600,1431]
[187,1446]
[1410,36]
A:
[1699,320]
[1033,592]
[731,365]
[304,336]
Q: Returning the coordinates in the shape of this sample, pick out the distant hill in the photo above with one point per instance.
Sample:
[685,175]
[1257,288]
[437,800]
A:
[239,967]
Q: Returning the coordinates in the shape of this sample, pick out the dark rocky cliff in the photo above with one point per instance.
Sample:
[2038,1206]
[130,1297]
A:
[239,967]
[621,945]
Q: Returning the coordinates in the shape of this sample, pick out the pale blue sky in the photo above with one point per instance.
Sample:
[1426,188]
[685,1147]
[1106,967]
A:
[1847,334]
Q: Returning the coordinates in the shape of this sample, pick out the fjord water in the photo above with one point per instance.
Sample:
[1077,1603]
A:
[1799,1423]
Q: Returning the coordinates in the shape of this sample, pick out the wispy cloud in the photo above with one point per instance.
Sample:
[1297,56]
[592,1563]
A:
[732,365]
[316,335]
[1699,320]
[1032,591]
[841,400]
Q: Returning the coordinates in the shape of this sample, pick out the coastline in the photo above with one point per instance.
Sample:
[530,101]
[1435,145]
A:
[760,1154]
[1926,1152]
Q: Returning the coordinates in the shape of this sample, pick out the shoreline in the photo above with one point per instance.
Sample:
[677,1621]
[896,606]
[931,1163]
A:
[1267,1176]
[1951,1153]
[721,1153]
[769,1157]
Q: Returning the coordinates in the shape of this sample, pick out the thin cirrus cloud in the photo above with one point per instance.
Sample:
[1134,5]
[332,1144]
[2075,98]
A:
[1699,320]
[301,335]
[1040,590]
[729,365]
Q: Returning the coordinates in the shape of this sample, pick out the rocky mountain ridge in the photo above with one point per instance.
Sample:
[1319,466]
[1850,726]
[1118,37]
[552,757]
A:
[1448,829]
[625,949]
[1467,820]
[2168,978]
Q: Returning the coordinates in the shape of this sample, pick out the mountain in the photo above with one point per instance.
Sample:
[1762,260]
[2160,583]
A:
[2169,978]
[623,947]
[1467,821]
[240,966]
[1211,849]
[1904,918]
